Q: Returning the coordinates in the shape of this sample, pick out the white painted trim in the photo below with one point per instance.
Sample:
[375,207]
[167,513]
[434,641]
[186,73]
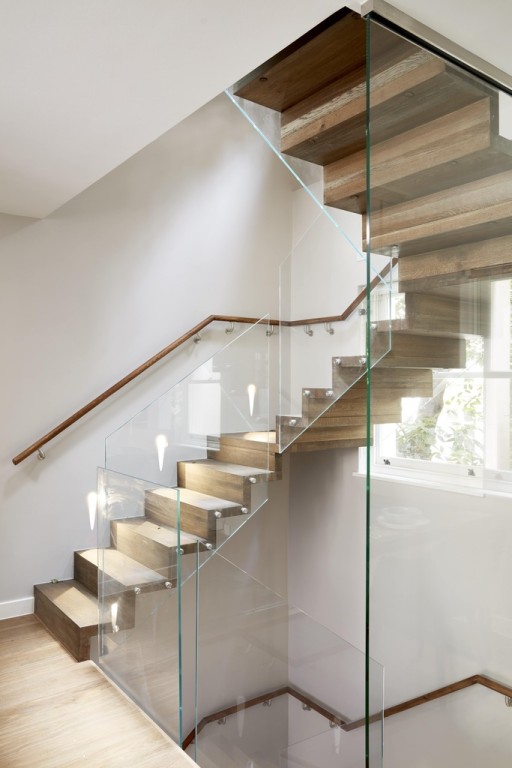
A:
[12,608]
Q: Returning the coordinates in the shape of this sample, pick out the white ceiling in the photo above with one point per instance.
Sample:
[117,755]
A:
[87,83]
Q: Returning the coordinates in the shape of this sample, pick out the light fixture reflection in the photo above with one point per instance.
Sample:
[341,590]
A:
[251,391]
[113,617]
[161,445]
[92,503]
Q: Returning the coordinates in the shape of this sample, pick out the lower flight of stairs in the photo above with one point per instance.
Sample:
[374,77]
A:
[215,495]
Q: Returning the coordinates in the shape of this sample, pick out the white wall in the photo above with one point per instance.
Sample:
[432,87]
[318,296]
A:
[327,541]
[197,223]
[440,587]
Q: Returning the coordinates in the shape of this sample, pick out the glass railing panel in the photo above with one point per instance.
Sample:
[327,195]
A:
[326,268]
[138,599]
[440,164]
[269,678]
[209,430]
[323,340]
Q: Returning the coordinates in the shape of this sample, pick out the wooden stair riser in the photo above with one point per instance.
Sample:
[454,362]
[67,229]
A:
[192,519]
[153,554]
[308,65]
[236,449]
[350,406]
[410,351]
[457,265]
[95,576]
[331,125]
[479,210]
[208,479]
[427,314]
[421,161]
[74,636]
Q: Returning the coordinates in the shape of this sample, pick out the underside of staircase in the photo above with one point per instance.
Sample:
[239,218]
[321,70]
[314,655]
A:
[440,181]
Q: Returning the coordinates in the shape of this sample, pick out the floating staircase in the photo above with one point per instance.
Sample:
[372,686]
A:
[441,183]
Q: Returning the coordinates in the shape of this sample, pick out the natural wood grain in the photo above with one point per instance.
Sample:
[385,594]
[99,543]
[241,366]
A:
[460,264]
[331,124]
[196,511]
[479,210]
[70,613]
[225,480]
[411,351]
[55,713]
[308,65]
[118,572]
[309,701]
[427,314]
[453,149]
[155,546]
[131,376]
[255,449]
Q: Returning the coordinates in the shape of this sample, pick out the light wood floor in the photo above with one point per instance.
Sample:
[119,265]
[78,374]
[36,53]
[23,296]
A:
[55,713]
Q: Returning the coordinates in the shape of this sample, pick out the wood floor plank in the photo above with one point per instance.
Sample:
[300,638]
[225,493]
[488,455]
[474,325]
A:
[55,713]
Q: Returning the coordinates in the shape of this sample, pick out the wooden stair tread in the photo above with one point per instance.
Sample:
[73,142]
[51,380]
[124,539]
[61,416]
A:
[454,149]
[479,210]
[331,125]
[438,315]
[256,449]
[75,601]
[459,264]
[309,64]
[160,534]
[193,498]
[240,470]
[124,570]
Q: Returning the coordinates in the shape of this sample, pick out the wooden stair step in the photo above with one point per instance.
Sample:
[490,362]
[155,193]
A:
[412,351]
[453,149]
[479,210]
[414,83]
[70,613]
[427,314]
[309,64]
[199,513]
[403,382]
[120,573]
[255,449]
[456,265]
[153,545]
[222,479]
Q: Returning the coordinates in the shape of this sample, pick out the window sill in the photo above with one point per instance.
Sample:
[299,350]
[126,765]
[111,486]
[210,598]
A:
[437,483]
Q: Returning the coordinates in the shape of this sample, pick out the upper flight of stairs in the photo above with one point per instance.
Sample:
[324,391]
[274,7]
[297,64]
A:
[441,183]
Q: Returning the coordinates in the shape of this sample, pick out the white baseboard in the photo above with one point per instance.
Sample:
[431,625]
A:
[12,608]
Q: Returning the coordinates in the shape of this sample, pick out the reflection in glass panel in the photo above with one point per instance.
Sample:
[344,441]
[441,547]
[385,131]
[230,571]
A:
[440,159]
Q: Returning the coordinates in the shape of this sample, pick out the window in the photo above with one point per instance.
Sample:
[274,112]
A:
[462,434]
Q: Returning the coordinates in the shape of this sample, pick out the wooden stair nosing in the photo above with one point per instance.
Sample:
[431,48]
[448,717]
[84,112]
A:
[70,613]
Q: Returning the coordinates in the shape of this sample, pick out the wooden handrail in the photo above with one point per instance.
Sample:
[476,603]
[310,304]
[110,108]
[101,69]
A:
[343,722]
[37,446]
[130,377]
